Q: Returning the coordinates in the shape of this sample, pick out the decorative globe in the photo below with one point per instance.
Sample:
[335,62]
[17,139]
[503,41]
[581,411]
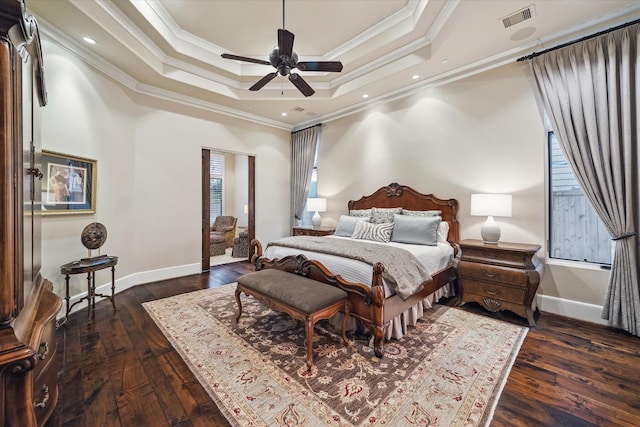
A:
[94,235]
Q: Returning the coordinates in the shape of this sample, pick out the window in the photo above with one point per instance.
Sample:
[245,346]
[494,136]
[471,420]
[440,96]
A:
[313,192]
[575,231]
[216,176]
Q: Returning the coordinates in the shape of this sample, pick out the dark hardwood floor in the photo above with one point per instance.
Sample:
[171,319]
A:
[121,371]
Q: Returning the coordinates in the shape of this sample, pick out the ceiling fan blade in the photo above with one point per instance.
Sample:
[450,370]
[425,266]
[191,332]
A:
[245,59]
[302,85]
[285,43]
[263,81]
[334,66]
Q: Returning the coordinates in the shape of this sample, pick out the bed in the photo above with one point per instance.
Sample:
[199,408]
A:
[377,301]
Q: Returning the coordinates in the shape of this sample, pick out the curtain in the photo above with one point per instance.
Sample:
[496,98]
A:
[303,153]
[590,93]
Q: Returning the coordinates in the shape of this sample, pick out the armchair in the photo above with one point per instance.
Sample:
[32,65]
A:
[224,225]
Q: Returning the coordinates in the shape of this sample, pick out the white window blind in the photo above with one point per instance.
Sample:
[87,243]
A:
[216,187]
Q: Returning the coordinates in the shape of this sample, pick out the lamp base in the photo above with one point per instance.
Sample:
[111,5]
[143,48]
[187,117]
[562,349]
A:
[490,231]
[316,220]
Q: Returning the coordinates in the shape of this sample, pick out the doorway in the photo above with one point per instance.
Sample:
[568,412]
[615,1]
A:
[240,197]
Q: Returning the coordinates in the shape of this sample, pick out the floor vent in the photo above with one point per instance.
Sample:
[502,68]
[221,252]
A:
[519,16]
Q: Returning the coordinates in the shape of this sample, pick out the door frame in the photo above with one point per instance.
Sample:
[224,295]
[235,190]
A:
[206,200]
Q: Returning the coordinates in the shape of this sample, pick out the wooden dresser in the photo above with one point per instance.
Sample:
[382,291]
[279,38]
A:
[28,306]
[313,231]
[502,276]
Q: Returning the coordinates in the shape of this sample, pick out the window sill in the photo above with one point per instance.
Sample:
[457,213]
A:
[577,264]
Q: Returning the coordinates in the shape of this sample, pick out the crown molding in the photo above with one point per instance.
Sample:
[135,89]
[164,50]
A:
[76,49]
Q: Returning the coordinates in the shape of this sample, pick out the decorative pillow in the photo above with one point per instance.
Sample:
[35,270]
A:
[416,230]
[382,215]
[421,213]
[375,232]
[347,224]
[443,231]
[360,212]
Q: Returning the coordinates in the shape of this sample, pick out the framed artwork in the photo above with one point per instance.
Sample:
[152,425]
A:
[68,184]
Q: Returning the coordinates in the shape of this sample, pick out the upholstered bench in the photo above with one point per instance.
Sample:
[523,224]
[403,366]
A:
[301,298]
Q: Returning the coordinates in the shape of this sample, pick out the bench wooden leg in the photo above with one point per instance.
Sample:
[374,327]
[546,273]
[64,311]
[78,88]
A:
[238,291]
[345,320]
[309,333]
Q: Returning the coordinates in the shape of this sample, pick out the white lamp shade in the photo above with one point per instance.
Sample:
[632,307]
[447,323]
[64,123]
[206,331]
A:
[491,205]
[316,205]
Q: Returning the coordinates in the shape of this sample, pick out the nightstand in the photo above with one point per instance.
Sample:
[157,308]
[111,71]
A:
[502,276]
[313,231]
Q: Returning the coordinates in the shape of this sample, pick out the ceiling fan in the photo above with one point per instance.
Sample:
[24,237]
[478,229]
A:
[284,60]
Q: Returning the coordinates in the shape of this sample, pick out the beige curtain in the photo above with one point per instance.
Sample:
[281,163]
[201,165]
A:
[590,93]
[303,152]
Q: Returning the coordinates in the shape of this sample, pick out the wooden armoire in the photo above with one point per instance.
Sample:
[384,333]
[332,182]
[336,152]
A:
[28,306]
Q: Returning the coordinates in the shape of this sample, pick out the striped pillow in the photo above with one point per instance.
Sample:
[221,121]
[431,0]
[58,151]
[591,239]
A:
[380,215]
[375,232]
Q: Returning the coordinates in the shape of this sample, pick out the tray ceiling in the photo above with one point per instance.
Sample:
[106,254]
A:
[171,48]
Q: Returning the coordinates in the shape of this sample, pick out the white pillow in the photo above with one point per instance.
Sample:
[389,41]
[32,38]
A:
[375,232]
[347,224]
[443,231]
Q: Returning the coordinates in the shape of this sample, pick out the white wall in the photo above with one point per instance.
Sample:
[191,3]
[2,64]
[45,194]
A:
[148,156]
[481,134]
[241,189]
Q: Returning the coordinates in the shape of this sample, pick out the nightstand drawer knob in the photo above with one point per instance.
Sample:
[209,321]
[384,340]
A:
[490,291]
[486,273]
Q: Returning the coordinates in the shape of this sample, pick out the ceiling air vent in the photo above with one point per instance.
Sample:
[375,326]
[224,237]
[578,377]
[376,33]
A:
[298,109]
[519,16]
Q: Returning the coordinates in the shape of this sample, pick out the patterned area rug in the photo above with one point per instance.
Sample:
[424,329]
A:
[447,371]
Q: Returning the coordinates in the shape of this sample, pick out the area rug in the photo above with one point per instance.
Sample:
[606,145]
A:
[448,370]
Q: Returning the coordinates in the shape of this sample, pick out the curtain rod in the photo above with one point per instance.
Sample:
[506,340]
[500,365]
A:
[308,127]
[560,46]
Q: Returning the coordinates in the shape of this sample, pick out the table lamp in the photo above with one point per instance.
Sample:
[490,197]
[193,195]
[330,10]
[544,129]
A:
[490,205]
[316,205]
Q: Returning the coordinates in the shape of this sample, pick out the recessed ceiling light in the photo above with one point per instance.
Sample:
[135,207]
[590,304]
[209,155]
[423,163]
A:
[415,76]
[444,61]
[89,40]
[284,114]
[365,95]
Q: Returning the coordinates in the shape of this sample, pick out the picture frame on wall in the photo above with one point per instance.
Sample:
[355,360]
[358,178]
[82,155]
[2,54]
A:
[68,184]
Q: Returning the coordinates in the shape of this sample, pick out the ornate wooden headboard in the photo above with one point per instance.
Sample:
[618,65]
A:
[400,196]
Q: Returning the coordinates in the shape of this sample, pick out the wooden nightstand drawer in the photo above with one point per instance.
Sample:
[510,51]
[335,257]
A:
[503,293]
[487,272]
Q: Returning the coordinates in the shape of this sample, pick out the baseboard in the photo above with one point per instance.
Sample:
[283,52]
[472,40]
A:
[574,309]
[131,280]
[563,307]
